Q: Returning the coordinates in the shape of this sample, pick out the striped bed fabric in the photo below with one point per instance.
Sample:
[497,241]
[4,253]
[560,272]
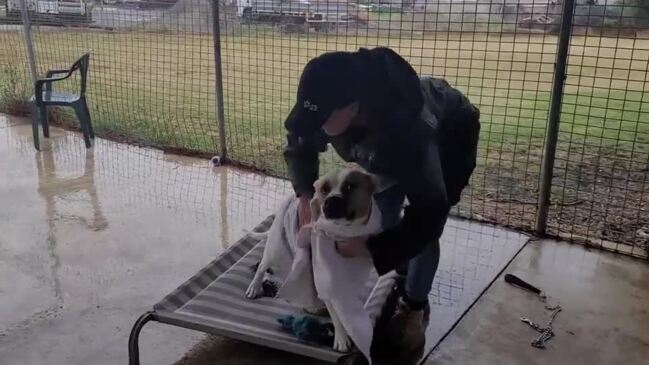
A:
[213,301]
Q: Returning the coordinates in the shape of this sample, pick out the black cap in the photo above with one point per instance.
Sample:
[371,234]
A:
[328,82]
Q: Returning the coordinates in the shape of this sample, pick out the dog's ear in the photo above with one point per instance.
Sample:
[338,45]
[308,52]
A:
[372,181]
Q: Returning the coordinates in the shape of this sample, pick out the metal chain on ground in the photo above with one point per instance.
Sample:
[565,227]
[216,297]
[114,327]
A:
[546,333]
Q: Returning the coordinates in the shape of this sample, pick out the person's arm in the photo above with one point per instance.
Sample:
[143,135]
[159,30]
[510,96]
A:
[424,216]
[301,155]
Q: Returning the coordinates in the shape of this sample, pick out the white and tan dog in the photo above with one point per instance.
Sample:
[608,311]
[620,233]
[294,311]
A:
[342,207]
[280,249]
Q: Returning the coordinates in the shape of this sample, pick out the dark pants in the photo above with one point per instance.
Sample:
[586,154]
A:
[421,268]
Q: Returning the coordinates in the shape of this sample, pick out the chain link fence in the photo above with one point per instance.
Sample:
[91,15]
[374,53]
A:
[14,82]
[161,69]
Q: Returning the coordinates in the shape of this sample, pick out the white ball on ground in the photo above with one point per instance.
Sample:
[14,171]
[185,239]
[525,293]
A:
[216,160]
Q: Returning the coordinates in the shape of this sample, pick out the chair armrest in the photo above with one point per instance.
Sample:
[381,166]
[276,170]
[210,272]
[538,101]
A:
[51,73]
[38,85]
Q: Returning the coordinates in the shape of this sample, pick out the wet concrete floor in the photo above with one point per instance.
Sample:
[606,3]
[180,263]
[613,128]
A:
[90,239]
[93,238]
[605,316]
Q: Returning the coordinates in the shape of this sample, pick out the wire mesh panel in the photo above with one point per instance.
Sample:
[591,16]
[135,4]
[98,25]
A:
[600,190]
[153,80]
[151,74]
[484,48]
[14,78]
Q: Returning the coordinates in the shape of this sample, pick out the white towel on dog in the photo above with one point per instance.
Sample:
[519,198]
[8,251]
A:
[339,280]
[295,265]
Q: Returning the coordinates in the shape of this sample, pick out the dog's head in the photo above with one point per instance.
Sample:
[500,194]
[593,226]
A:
[344,196]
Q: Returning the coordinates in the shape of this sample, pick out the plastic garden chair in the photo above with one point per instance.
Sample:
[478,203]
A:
[44,97]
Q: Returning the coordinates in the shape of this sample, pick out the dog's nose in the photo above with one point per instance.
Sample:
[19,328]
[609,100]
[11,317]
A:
[334,207]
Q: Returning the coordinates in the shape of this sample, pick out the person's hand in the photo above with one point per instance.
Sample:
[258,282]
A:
[353,247]
[304,236]
[303,211]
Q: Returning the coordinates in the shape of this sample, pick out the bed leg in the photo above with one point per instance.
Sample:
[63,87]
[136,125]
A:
[133,348]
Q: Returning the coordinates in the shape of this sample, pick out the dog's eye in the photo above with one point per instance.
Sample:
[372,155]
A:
[325,189]
[348,187]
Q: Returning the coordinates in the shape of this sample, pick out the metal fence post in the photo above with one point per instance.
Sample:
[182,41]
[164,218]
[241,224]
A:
[552,134]
[218,76]
[27,38]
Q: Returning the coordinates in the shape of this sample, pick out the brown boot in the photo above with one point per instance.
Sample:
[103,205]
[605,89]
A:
[407,330]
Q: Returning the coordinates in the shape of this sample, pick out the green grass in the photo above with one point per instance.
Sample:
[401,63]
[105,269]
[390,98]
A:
[13,82]
[158,88]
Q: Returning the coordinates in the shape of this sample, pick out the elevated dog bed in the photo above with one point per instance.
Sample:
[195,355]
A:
[213,301]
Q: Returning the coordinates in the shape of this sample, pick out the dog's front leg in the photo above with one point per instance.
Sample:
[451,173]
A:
[342,342]
[256,289]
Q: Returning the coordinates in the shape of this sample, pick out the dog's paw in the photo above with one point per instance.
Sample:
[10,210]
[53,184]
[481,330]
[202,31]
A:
[342,343]
[269,288]
[254,291]
[320,312]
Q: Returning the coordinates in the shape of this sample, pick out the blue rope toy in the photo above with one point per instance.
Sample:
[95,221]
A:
[308,329]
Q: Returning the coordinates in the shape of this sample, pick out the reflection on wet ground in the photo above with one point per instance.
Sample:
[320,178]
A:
[472,255]
[91,238]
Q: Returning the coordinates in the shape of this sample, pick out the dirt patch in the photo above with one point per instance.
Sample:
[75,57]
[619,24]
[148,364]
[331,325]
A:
[611,187]
[600,195]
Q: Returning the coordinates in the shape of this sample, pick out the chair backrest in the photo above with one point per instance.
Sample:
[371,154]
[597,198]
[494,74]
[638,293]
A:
[82,65]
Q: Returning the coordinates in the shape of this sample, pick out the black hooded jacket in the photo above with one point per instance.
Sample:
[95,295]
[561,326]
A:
[420,132]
